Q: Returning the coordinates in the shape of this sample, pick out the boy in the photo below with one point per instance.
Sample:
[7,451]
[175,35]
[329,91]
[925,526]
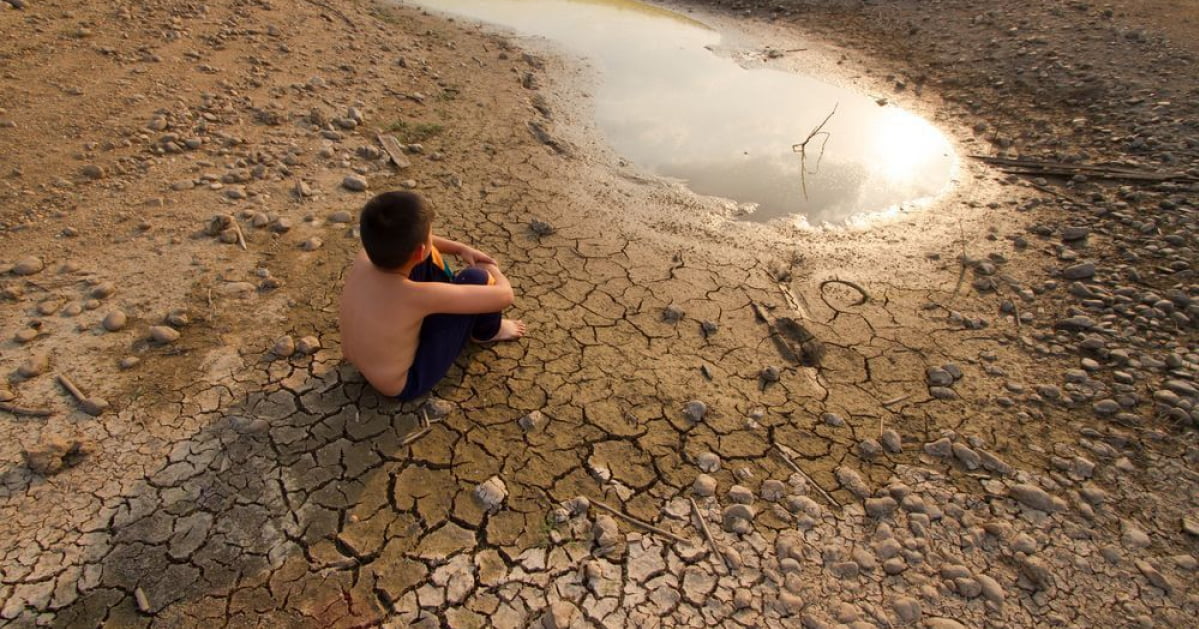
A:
[404,316]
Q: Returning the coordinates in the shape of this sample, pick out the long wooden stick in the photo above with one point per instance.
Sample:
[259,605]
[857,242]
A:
[799,470]
[703,527]
[22,410]
[414,436]
[643,524]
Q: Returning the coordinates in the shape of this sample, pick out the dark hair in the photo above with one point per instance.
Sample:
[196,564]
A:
[393,225]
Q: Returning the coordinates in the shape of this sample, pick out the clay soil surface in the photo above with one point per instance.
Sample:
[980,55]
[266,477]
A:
[978,415]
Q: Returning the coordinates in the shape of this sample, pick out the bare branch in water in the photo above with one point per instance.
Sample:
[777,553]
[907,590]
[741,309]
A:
[802,149]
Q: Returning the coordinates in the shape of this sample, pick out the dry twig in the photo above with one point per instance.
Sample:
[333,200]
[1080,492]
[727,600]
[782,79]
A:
[799,470]
[703,527]
[643,524]
[864,296]
[23,410]
[414,436]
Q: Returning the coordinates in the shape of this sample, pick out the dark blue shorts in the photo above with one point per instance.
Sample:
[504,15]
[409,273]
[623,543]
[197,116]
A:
[442,336]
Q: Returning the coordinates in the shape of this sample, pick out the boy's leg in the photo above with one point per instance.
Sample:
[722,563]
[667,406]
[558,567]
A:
[442,337]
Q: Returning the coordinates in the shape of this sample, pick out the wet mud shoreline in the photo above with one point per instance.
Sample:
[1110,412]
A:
[1001,433]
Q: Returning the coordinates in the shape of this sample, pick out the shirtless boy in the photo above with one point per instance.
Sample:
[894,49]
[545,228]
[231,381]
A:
[404,316]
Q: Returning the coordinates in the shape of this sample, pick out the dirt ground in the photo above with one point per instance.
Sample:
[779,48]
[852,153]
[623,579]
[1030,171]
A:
[981,414]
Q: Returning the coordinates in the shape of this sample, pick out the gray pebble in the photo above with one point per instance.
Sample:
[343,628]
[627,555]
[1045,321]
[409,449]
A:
[308,345]
[941,448]
[704,486]
[832,419]
[311,244]
[1035,497]
[672,313]
[708,462]
[892,441]
[355,183]
[740,495]
[1079,271]
[694,411]
[341,216]
[285,346]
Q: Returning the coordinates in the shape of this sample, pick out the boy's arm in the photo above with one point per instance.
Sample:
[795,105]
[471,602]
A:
[467,254]
[439,297]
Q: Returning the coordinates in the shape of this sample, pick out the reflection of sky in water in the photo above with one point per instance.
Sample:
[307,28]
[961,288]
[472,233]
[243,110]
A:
[676,109]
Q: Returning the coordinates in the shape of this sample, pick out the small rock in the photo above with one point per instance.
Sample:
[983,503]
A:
[880,507]
[308,345]
[770,374]
[605,532]
[1072,234]
[437,408]
[832,419]
[1079,271]
[54,454]
[312,244]
[129,362]
[672,313]
[164,334]
[695,411]
[115,321]
[741,495]
[579,505]
[704,486]
[708,462]
[968,457]
[103,290]
[773,490]
[532,421]
[491,493]
[541,228]
[34,366]
[708,328]
[92,171]
[869,448]
[354,183]
[941,448]
[25,335]
[892,441]
[341,216]
[28,266]
[284,347]
[1035,497]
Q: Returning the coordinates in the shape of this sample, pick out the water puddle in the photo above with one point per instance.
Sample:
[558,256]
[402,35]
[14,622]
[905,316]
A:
[670,105]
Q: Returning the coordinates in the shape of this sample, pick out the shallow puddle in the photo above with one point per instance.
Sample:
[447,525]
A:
[670,105]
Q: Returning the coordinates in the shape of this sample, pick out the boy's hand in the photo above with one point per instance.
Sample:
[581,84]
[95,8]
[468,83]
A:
[472,256]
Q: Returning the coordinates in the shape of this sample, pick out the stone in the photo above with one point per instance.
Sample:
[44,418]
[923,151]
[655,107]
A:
[740,495]
[55,453]
[770,374]
[938,377]
[672,313]
[735,513]
[991,590]
[605,532]
[907,609]
[1079,271]
[579,505]
[968,457]
[532,421]
[708,462]
[355,183]
[28,266]
[695,411]
[892,441]
[114,321]
[869,448]
[832,419]
[941,448]
[341,216]
[851,480]
[311,244]
[308,345]
[103,290]
[773,490]
[164,334]
[129,362]
[285,346]
[704,486]
[541,228]
[491,494]
[1072,234]
[1035,497]
[881,507]
[25,335]
[34,366]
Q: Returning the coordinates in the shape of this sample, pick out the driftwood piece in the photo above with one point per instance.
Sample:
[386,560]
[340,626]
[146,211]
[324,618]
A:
[393,149]
[24,410]
[703,527]
[641,523]
[799,470]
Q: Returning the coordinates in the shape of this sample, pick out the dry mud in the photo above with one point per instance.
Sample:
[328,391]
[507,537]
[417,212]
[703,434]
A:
[1002,434]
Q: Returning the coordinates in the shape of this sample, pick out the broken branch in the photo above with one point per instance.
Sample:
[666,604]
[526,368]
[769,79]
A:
[703,527]
[643,524]
[802,149]
[23,410]
[799,470]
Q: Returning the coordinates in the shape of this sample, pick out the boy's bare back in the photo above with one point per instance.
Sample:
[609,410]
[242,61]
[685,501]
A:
[380,326]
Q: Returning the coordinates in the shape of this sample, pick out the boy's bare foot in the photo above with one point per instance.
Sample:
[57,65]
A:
[510,330]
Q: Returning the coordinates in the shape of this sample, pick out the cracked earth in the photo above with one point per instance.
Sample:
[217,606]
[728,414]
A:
[986,420]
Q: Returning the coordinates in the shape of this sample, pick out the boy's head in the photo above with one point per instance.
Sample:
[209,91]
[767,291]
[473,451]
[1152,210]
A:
[394,225]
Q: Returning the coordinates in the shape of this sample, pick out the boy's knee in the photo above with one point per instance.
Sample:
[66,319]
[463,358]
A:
[472,275]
